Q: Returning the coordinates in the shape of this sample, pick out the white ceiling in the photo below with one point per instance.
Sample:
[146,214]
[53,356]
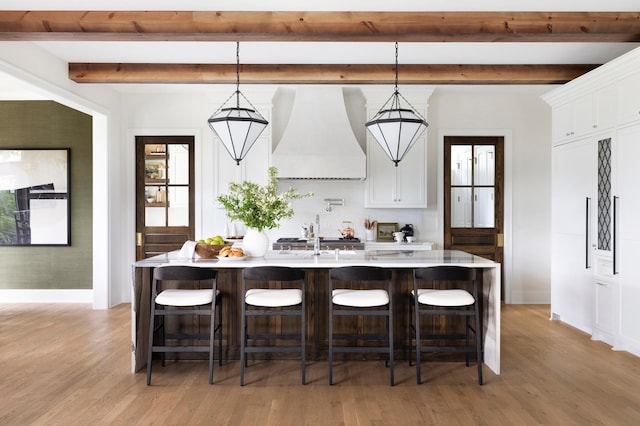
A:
[326,52]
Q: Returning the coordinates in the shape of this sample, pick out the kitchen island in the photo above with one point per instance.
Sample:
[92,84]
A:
[401,262]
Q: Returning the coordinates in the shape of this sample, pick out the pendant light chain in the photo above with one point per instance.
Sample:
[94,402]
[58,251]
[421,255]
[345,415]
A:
[238,128]
[237,74]
[396,67]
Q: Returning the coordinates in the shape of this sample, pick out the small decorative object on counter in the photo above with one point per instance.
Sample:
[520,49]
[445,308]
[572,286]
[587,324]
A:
[408,230]
[370,228]
[210,247]
[347,230]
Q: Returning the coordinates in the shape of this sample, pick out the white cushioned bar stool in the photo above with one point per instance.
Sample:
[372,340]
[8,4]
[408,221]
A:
[178,298]
[369,301]
[434,299]
[273,302]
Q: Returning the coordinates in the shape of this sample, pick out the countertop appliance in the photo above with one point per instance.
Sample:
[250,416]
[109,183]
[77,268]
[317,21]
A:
[325,244]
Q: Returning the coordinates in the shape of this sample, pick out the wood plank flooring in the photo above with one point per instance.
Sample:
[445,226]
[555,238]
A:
[68,364]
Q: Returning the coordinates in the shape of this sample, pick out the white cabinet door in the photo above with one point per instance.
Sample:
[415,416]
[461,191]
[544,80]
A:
[627,235]
[629,99]
[573,182]
[583,120]
[604,106]
[562,123]
[411,188]
[606,310]
[381,177]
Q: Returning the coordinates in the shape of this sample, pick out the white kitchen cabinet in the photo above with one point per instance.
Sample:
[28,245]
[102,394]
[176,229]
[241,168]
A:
[593,112]
[254,167]
[628,99]
[606,307]
[627,232]
[574,168]
[613,244]
[391,186]
[573,119]
[604,107]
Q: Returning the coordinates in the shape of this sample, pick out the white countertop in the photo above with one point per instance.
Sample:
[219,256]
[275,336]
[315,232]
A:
[403,257]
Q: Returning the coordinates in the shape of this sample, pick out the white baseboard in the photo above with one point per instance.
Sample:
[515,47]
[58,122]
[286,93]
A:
[46,296]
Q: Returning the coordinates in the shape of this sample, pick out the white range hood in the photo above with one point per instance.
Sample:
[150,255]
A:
[318,141]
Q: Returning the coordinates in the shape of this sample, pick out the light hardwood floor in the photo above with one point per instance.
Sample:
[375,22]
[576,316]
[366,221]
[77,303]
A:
[70,365]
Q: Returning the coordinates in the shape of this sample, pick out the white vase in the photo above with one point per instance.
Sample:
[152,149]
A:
[370,233]
[255,243]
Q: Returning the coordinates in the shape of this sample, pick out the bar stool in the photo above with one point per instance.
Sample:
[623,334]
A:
[434,301]
[272,302]
[173,302]
[365,302]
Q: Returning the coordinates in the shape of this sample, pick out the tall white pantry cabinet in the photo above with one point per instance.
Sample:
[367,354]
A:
[595,218]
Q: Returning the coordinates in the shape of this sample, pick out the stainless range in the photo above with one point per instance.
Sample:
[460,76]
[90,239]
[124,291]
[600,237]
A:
[325,244]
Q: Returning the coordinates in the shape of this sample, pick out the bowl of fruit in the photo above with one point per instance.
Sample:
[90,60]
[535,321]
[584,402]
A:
[209,248]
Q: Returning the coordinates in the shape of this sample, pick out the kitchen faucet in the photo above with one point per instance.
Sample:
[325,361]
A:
[316,237]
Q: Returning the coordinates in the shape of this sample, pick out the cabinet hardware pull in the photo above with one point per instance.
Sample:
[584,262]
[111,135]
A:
[587,264]
[615,236]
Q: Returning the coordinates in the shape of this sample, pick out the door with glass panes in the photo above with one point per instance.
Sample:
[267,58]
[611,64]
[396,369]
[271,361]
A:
[164,194]
[473,195]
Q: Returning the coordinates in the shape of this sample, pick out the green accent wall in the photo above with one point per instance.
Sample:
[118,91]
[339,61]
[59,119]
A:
[47,124]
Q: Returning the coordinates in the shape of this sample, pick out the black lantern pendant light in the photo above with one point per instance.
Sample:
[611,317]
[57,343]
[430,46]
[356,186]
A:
[238,128]
[397,128]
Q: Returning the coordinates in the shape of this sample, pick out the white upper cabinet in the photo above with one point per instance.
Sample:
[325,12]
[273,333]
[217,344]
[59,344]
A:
[391,186]
[604,108]
[629,99]
[573,119]
[591,112]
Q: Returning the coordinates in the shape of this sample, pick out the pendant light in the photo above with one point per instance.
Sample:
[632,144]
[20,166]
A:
[394,127]
[238,128]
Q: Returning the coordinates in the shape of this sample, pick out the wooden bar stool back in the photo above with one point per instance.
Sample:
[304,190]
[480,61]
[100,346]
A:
[436,301]
[178,297]
[361,302]
[272,302]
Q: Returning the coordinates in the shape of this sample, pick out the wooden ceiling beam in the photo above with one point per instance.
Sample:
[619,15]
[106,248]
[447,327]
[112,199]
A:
[320,26]
[323,73]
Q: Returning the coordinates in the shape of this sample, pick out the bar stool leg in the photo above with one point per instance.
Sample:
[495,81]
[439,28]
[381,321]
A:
[243,341]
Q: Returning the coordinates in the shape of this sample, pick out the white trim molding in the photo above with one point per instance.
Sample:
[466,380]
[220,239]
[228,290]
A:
[46,296]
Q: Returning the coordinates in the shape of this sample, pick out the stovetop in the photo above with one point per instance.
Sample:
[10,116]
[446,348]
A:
[324,240]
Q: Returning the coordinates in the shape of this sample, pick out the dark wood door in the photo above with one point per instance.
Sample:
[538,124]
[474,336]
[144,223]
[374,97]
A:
[165,197]
[474,195]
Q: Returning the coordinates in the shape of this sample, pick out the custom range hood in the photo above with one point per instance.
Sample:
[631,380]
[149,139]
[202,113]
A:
[318,141]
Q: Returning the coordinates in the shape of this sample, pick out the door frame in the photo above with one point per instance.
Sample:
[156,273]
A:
[131,179]
[507,134]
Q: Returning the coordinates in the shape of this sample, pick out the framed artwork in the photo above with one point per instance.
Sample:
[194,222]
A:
[385,230]
[34,197]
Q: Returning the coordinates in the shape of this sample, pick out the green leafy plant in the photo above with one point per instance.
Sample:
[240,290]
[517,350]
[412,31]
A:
[259,207]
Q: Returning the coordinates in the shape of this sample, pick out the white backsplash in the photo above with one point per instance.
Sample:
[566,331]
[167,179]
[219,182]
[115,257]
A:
[353,210]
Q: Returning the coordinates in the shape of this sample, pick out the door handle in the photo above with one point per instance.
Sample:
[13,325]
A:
[586,243]
[615,234]
[139,239]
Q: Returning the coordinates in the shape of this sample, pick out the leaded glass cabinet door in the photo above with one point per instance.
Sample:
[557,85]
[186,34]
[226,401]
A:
[605,202]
